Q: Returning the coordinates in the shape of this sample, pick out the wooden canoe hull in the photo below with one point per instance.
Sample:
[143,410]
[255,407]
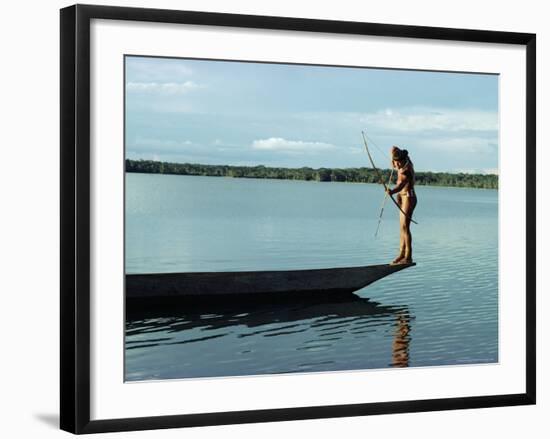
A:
[255,283]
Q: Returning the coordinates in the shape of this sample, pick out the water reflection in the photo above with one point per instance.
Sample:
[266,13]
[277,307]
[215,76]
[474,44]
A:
[401,341]
[347,332]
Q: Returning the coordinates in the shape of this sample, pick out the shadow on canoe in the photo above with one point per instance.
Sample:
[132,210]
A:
[213,287]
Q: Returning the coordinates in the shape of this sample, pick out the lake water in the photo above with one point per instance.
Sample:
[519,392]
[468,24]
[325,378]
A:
[444,311]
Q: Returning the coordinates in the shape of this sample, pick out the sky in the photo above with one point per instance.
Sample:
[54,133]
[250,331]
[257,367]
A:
[246,113]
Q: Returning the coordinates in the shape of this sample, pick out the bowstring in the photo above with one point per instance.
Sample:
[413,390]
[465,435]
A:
[385,154]
[388,182]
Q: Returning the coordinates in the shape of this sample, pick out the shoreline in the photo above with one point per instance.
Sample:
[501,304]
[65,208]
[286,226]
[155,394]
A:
[305,181]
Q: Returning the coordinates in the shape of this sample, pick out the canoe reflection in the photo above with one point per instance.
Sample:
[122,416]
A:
[317,322]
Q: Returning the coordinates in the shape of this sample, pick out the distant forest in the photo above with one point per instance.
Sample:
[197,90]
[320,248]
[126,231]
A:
[352,175]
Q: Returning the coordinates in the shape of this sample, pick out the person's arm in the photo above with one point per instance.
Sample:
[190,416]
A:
[402,180]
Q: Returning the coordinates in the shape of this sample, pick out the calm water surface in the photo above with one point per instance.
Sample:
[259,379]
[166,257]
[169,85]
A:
[444,311]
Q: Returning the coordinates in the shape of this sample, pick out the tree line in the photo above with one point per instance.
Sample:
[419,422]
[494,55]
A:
[352,175]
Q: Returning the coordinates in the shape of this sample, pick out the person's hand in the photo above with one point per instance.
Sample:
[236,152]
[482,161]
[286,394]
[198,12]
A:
[389,191]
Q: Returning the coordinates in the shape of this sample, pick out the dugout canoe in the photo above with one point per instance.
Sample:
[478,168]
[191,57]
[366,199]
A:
[256,284]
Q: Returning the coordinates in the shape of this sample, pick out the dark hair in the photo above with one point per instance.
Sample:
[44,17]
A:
[399,154]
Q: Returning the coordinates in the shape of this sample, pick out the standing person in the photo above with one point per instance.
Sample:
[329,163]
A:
[406,198]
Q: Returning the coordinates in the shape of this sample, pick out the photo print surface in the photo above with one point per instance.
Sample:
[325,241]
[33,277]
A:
[288,218]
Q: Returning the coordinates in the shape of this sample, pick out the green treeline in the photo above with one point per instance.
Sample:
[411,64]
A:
[352,175]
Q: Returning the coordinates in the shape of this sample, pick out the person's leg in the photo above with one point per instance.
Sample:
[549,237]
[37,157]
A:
[401,254]
[408,208]
[405,232]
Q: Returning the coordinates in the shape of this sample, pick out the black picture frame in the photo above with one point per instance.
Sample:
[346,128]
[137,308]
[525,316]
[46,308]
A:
[75,217]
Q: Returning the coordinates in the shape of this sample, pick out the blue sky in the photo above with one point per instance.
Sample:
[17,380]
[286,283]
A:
[217,112]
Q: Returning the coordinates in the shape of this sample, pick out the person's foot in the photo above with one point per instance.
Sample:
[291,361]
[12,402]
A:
[406,261]
[397,260]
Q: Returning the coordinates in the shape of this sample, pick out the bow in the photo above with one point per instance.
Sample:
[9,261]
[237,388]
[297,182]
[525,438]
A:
[383,206]
[382,182]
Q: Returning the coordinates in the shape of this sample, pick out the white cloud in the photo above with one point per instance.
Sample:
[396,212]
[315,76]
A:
[158,142]
[437,130]
[488,171]
[431,119]
[463,145]
[170,88]
[355,150]
[159,145]
[280,144]
[156,69]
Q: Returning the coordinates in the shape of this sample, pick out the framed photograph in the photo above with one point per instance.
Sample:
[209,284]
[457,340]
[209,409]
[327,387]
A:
[240,200]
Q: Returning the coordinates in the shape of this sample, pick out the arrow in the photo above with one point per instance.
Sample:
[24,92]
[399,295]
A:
[382,208]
